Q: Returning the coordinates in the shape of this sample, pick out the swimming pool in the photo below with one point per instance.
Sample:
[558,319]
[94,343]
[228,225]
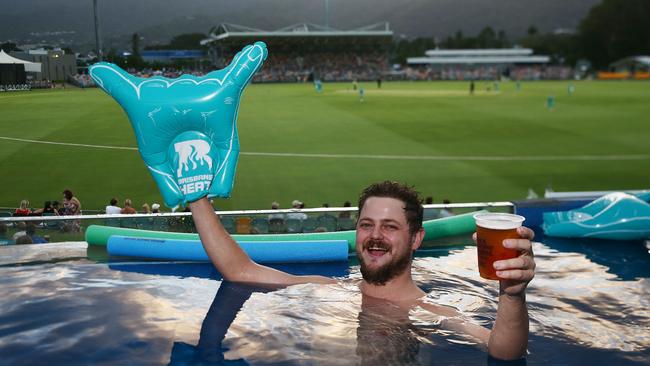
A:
[588,305]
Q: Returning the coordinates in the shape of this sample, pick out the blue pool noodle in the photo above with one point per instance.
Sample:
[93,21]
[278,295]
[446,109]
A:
[260,251]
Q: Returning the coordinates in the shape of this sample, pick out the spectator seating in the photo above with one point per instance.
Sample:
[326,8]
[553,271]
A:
[430,214]
[327,222]
[346,223]
[243,225]
[309,225]
[293,225]
[228,223]
[112,222]
[277,226]
[144,223]
[129,223]
[260,226]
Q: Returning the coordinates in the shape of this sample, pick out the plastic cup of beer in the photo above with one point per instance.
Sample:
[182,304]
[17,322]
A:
[491,230]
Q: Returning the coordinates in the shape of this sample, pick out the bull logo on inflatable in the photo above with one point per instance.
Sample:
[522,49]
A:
[191,152]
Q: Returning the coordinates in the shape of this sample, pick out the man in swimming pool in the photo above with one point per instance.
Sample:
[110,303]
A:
[389,230]
[186,135]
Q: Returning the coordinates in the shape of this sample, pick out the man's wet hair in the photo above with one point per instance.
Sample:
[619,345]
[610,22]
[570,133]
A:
[405,193]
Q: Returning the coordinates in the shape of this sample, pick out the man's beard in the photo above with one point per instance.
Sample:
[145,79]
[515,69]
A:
[379,276]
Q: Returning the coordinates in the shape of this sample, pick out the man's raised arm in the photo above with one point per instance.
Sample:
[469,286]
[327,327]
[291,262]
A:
[509,335]
[228,257]
[187,137]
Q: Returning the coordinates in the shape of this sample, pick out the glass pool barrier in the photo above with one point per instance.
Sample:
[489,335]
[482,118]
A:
[54,229]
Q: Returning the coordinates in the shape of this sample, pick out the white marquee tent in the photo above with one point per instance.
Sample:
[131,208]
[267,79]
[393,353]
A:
[29,66]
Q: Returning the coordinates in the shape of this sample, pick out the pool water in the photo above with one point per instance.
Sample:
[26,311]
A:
[588,304]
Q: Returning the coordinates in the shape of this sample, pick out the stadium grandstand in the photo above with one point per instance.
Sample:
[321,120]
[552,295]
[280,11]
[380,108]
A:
[633,67]
[483,64]
[305,52]
[169,56]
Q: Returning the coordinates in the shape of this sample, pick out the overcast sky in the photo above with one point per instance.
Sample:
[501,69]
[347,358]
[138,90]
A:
[161,19]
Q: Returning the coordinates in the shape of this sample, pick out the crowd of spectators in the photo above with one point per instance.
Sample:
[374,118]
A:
[530,73]
[168,72]
[85,81]
[291,67]
[451,73]
[70,206]
[326,67]
[26,234]
[524,73]
[81,81]
[294,221]
[299,221]
[128,209]
[41,84]
[49,208]
[331,67]
[25,231]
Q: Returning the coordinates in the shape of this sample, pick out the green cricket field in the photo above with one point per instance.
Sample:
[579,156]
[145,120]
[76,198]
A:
[325,147]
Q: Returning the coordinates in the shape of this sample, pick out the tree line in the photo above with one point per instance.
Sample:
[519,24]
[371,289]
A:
[612,30]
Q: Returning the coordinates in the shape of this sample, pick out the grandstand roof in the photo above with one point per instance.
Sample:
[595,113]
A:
[479,60]
[227,30]
[629,62]
[480,52]
[492,56]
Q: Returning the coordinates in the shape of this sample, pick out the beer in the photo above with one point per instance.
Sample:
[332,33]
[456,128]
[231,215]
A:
[491,230]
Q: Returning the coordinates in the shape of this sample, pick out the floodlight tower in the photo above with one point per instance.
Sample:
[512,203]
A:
[98,40]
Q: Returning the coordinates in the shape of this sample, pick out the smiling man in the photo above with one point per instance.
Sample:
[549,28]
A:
[389,230]
[187,137]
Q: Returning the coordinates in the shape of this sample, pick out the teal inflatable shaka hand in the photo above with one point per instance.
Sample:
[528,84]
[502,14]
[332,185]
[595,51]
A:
[186,127]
